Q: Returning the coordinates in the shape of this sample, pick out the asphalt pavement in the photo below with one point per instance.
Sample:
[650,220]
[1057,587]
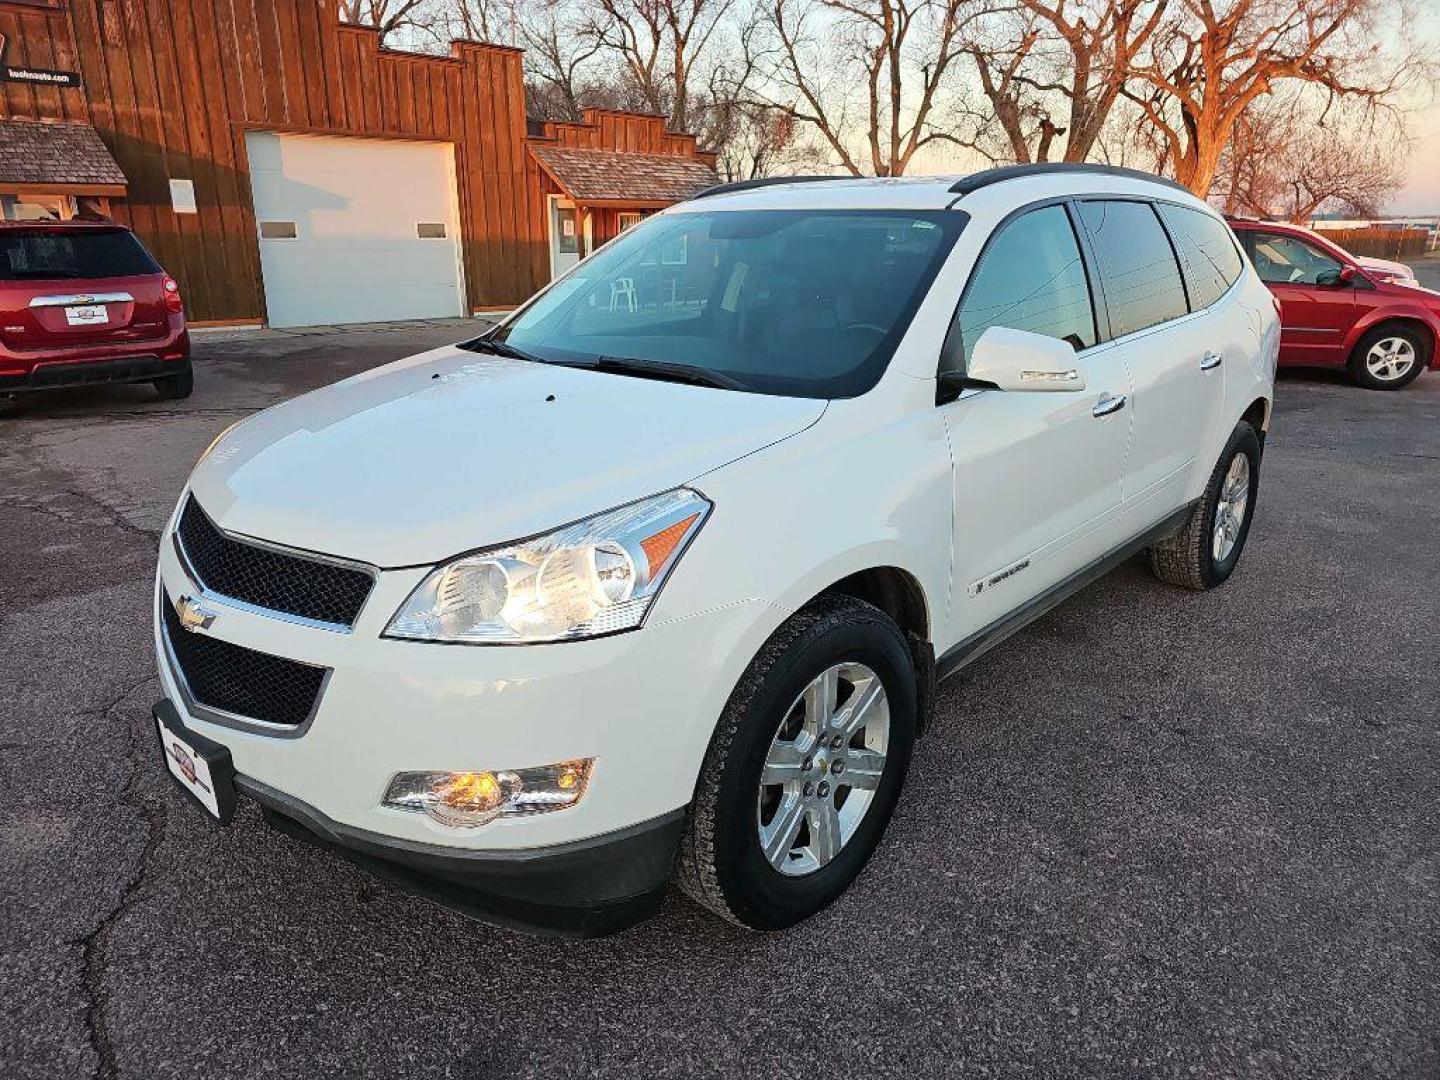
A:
[1156,834]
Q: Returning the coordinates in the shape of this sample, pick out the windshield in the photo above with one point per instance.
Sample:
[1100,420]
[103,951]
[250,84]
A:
[805,303]
[83,253]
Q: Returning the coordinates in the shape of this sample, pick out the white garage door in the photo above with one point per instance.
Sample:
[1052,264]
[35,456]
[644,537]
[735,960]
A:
[355,230]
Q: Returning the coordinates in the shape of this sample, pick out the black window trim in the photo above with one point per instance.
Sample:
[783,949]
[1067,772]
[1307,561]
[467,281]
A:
[951,345]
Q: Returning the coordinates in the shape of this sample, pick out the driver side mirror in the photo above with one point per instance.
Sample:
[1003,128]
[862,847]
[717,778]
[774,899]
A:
[1346,275]
[1018,361]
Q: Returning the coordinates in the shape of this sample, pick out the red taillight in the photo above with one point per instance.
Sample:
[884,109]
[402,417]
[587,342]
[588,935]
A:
[172,296]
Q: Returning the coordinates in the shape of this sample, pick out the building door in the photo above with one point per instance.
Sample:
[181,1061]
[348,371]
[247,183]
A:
[564,237]
[355,230]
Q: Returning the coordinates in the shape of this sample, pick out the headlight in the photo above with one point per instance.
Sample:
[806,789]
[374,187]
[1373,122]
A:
[594,577]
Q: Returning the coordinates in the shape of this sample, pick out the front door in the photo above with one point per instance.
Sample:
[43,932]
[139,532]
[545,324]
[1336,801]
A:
[1036,474]
[1317,308]
[564,237]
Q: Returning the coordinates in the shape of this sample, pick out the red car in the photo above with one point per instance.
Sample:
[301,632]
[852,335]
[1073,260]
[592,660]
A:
[83,302]
[1336,312]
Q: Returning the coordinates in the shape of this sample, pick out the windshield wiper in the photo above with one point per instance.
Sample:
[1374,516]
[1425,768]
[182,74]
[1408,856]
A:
[661,369]
[495,347]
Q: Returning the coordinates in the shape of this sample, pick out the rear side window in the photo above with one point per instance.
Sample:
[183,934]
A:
[1207,252]
[1136,264]
[1030,278]
[89,253]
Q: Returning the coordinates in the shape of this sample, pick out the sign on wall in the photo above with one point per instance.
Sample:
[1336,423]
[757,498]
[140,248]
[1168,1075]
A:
[43,76]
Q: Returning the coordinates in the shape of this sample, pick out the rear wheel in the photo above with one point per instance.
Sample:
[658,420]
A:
[1205,552]
[804,769]
[1389,358]
[176,386]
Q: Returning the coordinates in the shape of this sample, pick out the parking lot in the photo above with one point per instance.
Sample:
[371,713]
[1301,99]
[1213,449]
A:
[1156,834]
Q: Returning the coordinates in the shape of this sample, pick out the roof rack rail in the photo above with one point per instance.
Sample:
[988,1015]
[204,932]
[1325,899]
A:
[766,181]
[974,182]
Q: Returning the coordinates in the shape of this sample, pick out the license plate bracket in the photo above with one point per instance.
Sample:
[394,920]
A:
[87,315]
[200,767]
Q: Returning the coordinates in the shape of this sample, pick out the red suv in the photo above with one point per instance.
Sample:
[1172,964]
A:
[1337,313]
[83,302]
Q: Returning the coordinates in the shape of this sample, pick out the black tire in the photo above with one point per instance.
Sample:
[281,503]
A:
[177,386]
[721,864]
[1418,341]
[1188,558]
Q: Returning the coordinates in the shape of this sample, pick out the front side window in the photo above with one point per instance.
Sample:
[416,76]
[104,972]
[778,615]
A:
[1288,260]
[1207,252]
[1031,277]
[806,303]
[1136,264]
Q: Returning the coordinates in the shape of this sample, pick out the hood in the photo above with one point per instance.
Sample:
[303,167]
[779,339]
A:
[449,451]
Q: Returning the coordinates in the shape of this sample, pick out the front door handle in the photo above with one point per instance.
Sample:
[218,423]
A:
[1108,404]
[1210,361]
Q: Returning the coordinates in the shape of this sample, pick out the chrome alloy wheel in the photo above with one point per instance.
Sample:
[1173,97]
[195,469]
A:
[1390,359]
[822,769]
[1230,509]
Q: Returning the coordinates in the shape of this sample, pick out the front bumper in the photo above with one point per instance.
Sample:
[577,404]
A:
[642,704]
[586,888]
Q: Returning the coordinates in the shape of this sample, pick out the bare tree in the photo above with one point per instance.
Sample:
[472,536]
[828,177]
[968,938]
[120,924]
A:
[1209,64]
[1290,157]
[899,53]
[387,16]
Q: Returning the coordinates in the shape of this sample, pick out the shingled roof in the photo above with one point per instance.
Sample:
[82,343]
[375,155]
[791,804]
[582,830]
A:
[608,176]
[68,155]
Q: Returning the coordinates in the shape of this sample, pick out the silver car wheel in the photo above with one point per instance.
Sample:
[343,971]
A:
[1230,509]
[822,769]
[1390,359]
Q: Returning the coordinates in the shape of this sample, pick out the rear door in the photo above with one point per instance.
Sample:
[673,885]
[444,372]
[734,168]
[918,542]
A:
[71,288]
[1036,475]
[1317,309]
[1169,353]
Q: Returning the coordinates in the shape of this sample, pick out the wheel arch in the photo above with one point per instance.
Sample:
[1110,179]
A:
[1397,320]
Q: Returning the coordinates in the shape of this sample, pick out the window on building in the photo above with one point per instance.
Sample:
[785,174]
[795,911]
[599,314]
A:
[1031,277]
[1208,253]
[430,230]
[630,220]
[1136,264]
[278,230]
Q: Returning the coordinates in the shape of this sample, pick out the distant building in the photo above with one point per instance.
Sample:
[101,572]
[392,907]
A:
[287,169]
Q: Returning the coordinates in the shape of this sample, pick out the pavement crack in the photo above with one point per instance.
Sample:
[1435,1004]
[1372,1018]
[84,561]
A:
[94,946]
[112,516]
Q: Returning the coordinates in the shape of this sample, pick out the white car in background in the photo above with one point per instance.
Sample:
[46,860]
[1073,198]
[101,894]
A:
[1387,270]
[656,579]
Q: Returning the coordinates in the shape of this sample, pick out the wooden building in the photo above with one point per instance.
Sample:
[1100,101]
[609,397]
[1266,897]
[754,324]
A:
[287,169]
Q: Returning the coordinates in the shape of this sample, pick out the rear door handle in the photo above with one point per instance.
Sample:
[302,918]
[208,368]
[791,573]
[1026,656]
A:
[1210,361]
[1107,405]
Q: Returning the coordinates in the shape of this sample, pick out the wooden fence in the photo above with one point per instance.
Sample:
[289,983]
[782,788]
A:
[1381,243]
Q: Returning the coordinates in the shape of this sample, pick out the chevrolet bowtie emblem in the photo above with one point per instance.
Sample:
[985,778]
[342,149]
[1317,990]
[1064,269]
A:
[193,616]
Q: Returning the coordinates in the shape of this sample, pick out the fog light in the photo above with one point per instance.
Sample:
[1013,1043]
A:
[470,799]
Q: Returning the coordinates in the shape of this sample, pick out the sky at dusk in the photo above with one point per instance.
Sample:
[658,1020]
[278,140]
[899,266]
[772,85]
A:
[1421,193]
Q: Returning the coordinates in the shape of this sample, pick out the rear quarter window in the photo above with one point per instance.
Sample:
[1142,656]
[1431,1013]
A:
[100,253]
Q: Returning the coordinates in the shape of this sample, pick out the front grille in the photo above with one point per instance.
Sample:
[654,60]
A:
[291,584]
[242,681]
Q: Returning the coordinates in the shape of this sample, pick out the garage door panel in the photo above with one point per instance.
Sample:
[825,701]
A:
[355,203]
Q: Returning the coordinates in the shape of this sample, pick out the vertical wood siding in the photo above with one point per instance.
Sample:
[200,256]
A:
[173,85]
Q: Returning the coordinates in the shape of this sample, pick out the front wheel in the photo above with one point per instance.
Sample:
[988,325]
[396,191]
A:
[1205,552]
[804,769]
[1389,358]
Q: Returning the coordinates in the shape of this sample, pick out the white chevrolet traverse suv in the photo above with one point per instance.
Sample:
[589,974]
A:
[654,581]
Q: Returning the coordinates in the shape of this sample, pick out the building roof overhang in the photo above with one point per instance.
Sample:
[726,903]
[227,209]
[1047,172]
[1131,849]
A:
[39,155]
[614,178]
